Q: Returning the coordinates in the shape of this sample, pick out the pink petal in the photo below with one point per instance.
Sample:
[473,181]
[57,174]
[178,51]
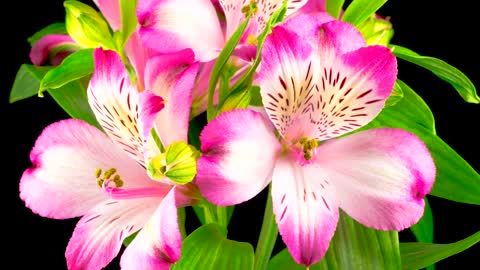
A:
[42,49]
[337,37]
[381,176]
[159,243]
[233,14]
[287,75]
[305,209]
[62,182]
[200,89]
[114,100]
[138,55]
[313,6]
[239,149]
[111,10]
[181,24]
[307,26]
[99,235]
[172,77]
[352,90]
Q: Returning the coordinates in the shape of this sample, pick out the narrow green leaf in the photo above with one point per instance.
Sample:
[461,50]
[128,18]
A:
[359,10]
[75,66]
[423,230]
[54,28]
[129,19]
[456,179]
[220,63]
[207,249]
[443,70]
[239,99]
[334,7]
[245,81]
[353,246]
[419,255]
[72,98]
[27,82]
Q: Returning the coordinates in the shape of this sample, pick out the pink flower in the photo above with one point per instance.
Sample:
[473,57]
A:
[318,82]
[79,171]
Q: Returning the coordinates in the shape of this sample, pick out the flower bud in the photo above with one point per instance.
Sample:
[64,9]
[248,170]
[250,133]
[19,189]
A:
[178,163]
[86,26]
[377,30]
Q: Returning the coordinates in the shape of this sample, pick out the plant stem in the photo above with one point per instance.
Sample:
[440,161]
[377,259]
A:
[268,236]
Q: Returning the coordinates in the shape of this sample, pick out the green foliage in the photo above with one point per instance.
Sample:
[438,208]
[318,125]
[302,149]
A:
[442,70]
[353,246]
[207,249]
[360,10]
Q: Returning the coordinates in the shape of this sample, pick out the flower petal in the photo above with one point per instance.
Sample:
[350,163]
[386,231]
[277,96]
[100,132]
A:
[172,76]
[111,10]
[159,243]
[42,49]
[354,84]
[115,103]
[286,77]
[305,209]
[99,235]
[239,149]
[181,24]
[62,182]
[381,176]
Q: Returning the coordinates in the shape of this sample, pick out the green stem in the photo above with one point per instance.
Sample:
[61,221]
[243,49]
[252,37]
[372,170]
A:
[268,236]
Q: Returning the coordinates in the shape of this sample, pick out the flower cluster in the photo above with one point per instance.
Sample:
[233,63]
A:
[205,104]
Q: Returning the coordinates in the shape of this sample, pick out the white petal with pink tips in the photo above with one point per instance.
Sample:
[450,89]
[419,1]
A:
[159,242]
[62,183]
[381,176]
[179,25]
[99,235]
[114,100]
[305,209]
[239,149]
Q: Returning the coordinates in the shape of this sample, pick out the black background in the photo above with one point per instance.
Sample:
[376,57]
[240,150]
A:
[435,28]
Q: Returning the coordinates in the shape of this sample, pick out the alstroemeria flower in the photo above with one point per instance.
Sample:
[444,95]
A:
[195,24]
[52,49]
[315,88]
[79,171]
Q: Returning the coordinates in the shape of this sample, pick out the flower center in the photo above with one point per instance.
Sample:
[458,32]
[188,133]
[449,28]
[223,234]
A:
[304,150]
[111,183]
[110,178]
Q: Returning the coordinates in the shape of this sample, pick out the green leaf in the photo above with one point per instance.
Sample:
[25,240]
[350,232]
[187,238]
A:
[423,230]
[334,7]
[75,66]
[245,82]
[27,82]
[129,19]
[54,28]
[206,248]
[221,62]
[353,246]
[456,180]
[395,97]
[419,255]
[237,99]
[443,70]
[72,98]
[410,113]
[359,10]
